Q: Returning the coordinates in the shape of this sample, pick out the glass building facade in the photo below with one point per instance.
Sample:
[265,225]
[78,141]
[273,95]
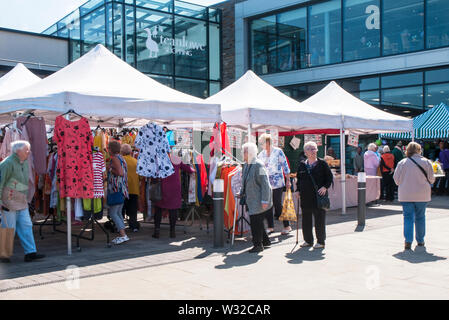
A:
[174,42]
[336,31]
[331,32]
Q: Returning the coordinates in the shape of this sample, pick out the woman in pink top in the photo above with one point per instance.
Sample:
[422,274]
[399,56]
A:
[371,160]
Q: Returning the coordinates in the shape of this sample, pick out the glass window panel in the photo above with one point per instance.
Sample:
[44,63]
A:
[190,10]
[196,88]
[399,80]
[325,33]
[50,30]
[437,23]
[118,32]
[191,48]
[352,85]
[161,5]
[72,23]
[214,15]
[437,93]
[296,92]
[129,28]
[154,42]
[403,26]
[370,97]
[440,75]
[109,26]
[214,87]
[362,23]
[90,6]
[214,51]
[94,31]
[167,81]
[263,45]
[408,100]
[291,41]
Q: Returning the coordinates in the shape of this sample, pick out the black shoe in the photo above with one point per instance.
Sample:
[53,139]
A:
[266,244]
[421,244]
[5,260]
[156,233]
[408,246]
[256,249]
[33,256]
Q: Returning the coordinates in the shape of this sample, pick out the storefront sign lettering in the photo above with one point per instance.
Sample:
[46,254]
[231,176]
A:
[180,46]
[372,22]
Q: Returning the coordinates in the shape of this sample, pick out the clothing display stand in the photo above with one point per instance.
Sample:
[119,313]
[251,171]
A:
[54,224]
[91,221]
[241,219]
[192,213]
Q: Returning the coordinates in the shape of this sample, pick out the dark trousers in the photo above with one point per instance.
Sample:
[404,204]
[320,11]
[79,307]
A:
[320,224]
[444,183]
[388,186]
[173,216]
[130,209]
[257,228]
[277,208]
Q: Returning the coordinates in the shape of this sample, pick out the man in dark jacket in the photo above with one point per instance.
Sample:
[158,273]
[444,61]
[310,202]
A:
[323,177]
[397,153]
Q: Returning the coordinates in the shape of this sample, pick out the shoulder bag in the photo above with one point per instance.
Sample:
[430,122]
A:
[156,190]
[422,170]
[323,201]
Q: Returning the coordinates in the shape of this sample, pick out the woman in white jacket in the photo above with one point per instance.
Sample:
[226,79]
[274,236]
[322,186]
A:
[371,160]
[414,176]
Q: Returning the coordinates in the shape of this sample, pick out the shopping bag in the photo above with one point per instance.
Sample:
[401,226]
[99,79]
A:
[288,209]
[6,240]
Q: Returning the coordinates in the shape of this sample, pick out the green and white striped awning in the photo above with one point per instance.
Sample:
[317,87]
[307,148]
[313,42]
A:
[433,124]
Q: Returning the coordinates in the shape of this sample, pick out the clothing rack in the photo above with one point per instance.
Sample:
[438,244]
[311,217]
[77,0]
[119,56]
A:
[241,219]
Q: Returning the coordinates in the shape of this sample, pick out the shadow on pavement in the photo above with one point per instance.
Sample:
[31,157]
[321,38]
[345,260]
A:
[239,260]
[305,254]
[419,255]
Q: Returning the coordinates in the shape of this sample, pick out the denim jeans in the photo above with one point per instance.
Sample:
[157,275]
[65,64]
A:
[115,212]
[414,215]
[20,221]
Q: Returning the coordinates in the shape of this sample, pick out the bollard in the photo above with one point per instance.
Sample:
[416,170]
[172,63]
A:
[361,208]
[218,198]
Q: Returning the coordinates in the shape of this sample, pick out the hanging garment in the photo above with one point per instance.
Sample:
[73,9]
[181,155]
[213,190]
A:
[203,173]
[236,186]
[37,134]
[171,188]
[192,189]
[98,168]
[75,168]
[79,213]
[5,149]
[219,142]
[212,173]
[153,160]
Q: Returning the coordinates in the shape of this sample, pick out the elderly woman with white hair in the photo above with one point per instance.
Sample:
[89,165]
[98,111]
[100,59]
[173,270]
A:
[14,173]
[256,194]
[314,175]
[387,170]
[276,164]
[371,160]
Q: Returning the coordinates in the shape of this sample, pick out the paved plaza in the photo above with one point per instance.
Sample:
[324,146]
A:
[356,264]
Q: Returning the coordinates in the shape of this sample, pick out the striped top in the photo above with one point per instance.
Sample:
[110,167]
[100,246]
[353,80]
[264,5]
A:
[99,168]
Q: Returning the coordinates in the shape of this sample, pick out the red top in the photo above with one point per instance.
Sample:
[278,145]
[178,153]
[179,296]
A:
[388,160]
[75,167]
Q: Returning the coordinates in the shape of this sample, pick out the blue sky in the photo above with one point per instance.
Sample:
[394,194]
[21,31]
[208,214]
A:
[37,15]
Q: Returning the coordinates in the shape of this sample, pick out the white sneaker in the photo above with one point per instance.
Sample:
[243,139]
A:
[120,240]
[305,244]
[286,231]
[269,231]
[318,246]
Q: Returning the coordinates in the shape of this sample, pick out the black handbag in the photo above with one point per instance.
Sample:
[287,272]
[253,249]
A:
[156,191]
[323,201]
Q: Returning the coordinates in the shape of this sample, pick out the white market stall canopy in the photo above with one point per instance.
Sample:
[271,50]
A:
[19,77]
[108,91]
[252,101]
[355,114]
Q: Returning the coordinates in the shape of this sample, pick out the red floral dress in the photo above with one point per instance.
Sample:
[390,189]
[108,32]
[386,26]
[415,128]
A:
[75,167]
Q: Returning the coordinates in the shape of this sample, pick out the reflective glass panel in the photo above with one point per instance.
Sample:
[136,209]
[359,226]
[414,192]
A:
[129,28]
[362,23]
[161,5]
[437,23]
[352,85]
[263,45]
[439,75]
[94,31]
[437,93]
[90,6]
[404,79]
[154,42]
[325,33]
[191,48]
[190,10]
[409,100]
[291,41]
[402,26]
[214,51]
[196,88]
[167,81]
[118,32]
[214,87]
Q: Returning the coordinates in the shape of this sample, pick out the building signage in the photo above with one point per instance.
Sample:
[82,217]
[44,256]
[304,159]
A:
[373,20]
[158,44]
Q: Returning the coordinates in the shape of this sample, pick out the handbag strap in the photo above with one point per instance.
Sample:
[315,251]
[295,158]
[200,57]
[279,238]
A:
[421,168]
[309,171]
[246,177]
